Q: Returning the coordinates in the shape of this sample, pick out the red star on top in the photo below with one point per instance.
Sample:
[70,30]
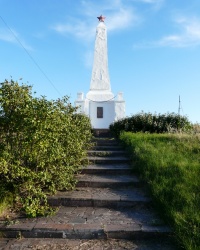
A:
[101,18]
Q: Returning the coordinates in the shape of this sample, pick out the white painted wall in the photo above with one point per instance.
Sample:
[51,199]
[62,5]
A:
[112,111]
[80,102]
[108,114]
[119,110]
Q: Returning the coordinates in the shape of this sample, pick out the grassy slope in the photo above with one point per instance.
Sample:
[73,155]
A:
[171,166]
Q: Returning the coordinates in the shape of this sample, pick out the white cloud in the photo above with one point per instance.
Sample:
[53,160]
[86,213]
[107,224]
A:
[157,4]
[12,36]
[122,19]
[118,15]
[188,35]
[78,28]
[152,1]
[7,36]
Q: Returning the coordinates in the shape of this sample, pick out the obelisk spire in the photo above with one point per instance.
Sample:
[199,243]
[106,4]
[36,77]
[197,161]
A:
[100,79]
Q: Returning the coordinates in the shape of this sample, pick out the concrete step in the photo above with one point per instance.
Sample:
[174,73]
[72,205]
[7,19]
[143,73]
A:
[108,159]
[102,133]
[102,181]
[108,147]
[101,197]
[106,153]
[106,142]
[114,169]
[90,223]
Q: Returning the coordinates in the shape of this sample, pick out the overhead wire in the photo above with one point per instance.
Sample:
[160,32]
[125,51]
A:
[30,56]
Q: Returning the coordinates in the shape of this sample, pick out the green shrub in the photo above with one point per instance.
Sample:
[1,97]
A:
[151,123]
[42,146]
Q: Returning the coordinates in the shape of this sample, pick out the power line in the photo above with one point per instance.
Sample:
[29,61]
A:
[30,56]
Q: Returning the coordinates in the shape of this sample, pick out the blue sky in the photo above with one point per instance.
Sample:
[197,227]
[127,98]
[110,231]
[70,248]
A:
[153,49]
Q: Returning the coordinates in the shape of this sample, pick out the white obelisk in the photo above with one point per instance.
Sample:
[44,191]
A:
[100,89]
[100,104]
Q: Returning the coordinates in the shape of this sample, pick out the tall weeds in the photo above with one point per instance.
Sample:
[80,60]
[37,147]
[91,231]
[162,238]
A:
[170,164]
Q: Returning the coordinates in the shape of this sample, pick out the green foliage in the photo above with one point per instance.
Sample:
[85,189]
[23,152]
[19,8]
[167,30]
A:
[6,199]
[42,146]
[151,123]
[169,163]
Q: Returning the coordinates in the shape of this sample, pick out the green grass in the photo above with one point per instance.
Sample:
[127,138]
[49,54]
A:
[170,164]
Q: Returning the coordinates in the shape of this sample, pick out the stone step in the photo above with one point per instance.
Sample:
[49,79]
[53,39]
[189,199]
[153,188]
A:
[101,197]
[102,181]
[106,153]
[108,160]
[104,133]
[106,142]
[90,223]
[114,169]
[108,147]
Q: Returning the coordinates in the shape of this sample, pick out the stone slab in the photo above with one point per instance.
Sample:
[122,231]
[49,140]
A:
[105,169]
[87,222]
[108,160]
[101,181]
[106,153]
[108,147]
[87,196]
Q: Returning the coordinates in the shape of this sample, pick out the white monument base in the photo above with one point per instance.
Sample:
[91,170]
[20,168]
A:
[101,113]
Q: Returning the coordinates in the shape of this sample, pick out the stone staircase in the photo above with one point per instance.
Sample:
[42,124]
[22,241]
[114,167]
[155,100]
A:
[109,202]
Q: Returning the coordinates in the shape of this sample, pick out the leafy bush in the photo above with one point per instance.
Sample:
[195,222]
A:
[152,123]
[42,146]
